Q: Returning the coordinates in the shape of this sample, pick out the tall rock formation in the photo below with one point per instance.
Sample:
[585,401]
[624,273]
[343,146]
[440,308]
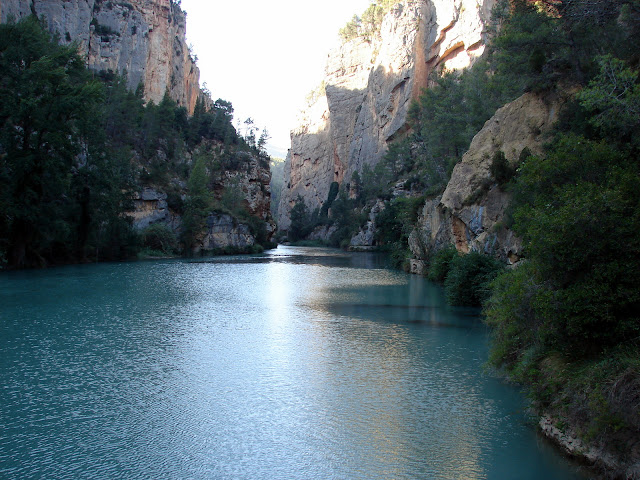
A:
[143,38]
[368,89]
[470,212]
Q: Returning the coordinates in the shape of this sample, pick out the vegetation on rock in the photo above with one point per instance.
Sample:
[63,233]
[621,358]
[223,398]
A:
[567,322]
[75,145]
[367,25]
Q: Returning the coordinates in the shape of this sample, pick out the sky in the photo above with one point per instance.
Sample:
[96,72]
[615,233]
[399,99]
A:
[265,56]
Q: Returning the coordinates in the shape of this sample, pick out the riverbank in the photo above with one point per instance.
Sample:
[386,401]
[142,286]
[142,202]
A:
[602,462]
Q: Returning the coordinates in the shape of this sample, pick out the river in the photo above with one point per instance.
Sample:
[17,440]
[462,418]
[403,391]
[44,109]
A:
[296,364]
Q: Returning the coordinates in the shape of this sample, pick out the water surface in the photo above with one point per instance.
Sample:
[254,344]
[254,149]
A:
[297,364]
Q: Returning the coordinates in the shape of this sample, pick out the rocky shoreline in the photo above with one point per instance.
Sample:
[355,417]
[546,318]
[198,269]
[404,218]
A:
[602,463]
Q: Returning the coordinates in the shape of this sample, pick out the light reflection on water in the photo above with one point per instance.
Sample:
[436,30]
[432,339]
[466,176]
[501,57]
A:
[298,364]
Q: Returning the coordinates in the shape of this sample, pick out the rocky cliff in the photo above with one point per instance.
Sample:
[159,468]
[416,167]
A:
[368,88]
[243,184]
[143,38]
[470,212]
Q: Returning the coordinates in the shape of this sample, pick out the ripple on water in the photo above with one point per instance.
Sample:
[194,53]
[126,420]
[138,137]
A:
[301,363]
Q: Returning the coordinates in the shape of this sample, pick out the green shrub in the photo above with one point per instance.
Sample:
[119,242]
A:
[159,237]
[394,225]
[441,263]
[500,168]
[515,313]
[300,221]
[469,278]
[331,196]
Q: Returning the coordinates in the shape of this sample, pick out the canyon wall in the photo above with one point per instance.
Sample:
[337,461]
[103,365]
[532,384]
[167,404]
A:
[143,38]
[368,88]
[470,213]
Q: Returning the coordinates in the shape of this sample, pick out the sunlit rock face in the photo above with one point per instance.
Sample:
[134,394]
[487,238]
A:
[143,38]
[470,212]
[368,89]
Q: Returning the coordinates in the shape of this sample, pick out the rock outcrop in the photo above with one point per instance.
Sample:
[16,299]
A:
[246,181]
[143,38]
[150,206]
[365,240]
[224,231]
[368,89]
[470,211]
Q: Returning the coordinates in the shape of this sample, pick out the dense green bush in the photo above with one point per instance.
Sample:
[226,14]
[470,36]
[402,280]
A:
[159,237]
[333,193]
[394,225]
[500,168]
[300,225]
[469,278]
[440,264]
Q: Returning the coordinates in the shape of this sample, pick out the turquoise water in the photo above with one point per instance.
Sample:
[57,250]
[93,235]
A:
[297,364]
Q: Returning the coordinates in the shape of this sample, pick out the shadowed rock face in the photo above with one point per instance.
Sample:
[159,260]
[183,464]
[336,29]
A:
[224,231]
[250,180]
[369,86]
[144,38]
[469,212]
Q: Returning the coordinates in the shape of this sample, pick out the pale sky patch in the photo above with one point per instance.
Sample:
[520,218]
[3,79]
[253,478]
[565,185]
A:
[265,56]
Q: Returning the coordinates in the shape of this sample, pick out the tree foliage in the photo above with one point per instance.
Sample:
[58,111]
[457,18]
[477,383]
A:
[197,205]
[74,144]
[368,24]
[567,322]
[301,224]
[58,191]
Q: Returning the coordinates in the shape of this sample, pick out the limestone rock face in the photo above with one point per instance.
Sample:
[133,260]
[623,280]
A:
[365,239]
[150,206]
[144,38]
[469,212]
[225,231]
[249,181]
[368,88]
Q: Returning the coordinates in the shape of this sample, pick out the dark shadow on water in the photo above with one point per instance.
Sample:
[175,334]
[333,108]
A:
[441,317]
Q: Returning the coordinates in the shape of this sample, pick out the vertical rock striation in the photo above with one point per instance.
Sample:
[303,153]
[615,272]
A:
[368,88]
[143,38]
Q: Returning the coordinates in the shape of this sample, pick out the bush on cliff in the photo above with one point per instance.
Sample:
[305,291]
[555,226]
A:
[468,282]
[394,225]
[567,322]
[301,224]
[467,278]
